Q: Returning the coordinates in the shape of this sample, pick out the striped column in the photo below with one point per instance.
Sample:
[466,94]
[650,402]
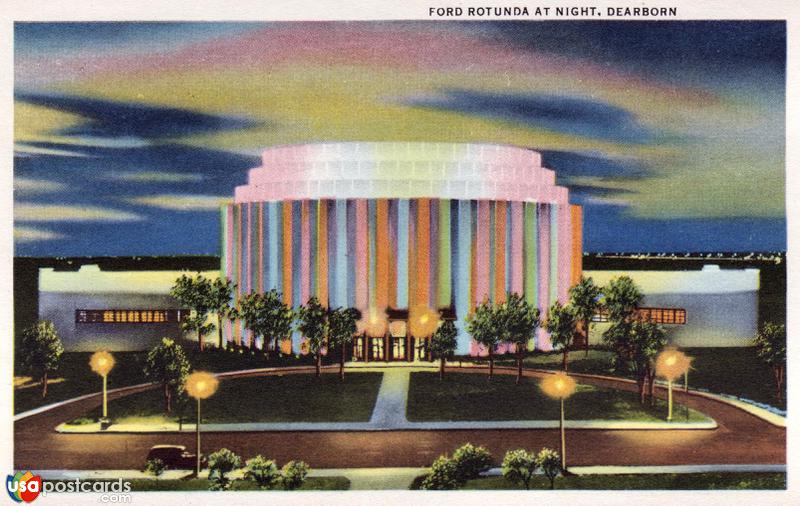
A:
[462,286]
[340,267]
[422,247]
[576,269]
[322,253]
[361,260]
[382,249]
[543,220]
[403,212]
[443,275]
[499,252]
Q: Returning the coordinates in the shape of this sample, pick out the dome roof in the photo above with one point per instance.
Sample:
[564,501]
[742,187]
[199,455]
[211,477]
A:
[348,170]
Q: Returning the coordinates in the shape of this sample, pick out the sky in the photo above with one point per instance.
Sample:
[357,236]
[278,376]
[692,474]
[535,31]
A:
[129,136]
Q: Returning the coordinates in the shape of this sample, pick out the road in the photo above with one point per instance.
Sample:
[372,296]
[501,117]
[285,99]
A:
[741,438]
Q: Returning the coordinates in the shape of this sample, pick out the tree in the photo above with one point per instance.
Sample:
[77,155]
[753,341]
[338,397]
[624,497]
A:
[195,293]
[621,298]
[293,474]
[443,475]
[484,326]
[167,364]
[220,463]
[341,328]
[443,343]
[770,344]
[519,466]
[636,345]
[471,461]
[519,322]
[584,299]
[313,324]
[219,302]
[262,471]
[549,461]
[41,351]
[561,326]
[267,316]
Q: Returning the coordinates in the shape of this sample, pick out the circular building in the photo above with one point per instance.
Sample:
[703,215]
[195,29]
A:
[399,228]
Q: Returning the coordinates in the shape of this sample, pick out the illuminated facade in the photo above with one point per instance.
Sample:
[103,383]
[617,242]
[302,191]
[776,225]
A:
[398,226]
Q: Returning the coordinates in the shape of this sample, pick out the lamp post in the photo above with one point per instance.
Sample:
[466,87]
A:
[422,321]
[200,385]
[670,365]
[559,386]
[102,362]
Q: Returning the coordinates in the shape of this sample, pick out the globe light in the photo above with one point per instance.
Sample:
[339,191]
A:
[558,385]
[373,322]
[201,385]
[422,321]
[101,362]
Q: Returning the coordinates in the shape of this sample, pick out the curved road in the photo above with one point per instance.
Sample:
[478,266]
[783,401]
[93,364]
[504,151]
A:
[741,438]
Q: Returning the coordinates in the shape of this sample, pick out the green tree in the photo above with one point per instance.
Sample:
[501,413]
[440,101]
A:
[561,324]
[167,364]
[585,301]
[471,461]
[519,322]
[262,471]
[41,351]
[195,293]
[651,339]
[621,298]
[484,325]
[313,324]
[293,474]
[770,344]
[443,475]
[443,343]
[220,463]
[219,303]
[267,316]
[519,466]
[636,344]
[341,329]
[549,461]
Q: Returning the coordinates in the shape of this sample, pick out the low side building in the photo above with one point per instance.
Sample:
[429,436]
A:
[95,309]
[711,307]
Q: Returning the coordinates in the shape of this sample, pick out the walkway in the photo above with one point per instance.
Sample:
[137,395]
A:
[390,407]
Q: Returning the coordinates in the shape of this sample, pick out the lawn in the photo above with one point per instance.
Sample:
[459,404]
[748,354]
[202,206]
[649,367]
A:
[289,398]
[698,481]
[74,378]
[463,396]
[153,485]
[734,371]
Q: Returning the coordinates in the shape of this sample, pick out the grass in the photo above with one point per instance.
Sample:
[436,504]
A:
[462,397]
[695,481]
[155,485]
[289,398]
[734,371]
[74,378]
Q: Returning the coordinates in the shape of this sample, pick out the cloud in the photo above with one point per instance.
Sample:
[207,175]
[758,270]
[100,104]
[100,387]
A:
[107,118]
[565,114]
[47,212]
[25,186]
[178,202]
[26,150]
[157,177]
[30,234]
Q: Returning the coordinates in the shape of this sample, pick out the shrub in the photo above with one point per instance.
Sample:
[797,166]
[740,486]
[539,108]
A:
[519,466]
[293,474]
[549,461]
[156,467]
[264,472]
[471,461]
[220,463]
[443,475]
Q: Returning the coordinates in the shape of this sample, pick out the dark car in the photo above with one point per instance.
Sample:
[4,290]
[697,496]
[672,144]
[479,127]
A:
[175,457]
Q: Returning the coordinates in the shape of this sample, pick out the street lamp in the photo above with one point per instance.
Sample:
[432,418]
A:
[422,322]
[671,364]
[200,385]
[559,386]
[102,362]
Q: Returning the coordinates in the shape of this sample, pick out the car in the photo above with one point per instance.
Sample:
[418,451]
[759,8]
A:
[176,457]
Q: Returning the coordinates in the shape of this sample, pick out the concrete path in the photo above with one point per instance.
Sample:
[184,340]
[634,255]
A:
[390,407]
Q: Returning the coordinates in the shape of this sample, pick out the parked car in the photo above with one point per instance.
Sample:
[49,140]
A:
[176,457]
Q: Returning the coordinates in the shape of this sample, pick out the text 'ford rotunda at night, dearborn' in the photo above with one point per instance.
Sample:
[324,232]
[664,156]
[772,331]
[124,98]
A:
[399,227]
